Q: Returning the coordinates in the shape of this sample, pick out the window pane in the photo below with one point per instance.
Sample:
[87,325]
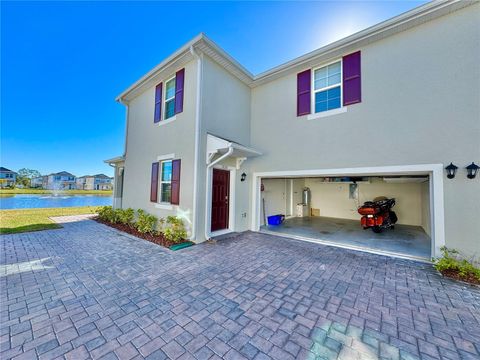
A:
[334,104]
[321,73]
[334,79]
[169,108]
[167,171]
[327,99]
[334,68]
[166,192]
[170,89]
[320,83]
[334,93]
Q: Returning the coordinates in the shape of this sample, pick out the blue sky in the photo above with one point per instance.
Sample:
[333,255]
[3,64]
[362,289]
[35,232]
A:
[63,63]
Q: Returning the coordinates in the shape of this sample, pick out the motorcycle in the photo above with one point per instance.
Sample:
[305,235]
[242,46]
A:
[378,214]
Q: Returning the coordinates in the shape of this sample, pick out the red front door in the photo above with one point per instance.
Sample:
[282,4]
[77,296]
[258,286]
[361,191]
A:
[220,200]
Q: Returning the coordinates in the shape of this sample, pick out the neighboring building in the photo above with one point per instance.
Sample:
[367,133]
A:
[60,181]
[7,177]
[39,182]
[381,112]
[94,182]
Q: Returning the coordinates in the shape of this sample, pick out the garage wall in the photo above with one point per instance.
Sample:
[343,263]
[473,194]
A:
[333,199]
[425,194]
[282,195]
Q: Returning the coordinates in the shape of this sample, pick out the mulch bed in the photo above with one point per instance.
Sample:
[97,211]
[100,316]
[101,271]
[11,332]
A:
[156,239]
[454,274]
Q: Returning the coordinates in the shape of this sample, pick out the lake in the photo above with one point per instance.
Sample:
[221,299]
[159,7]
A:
[29,201]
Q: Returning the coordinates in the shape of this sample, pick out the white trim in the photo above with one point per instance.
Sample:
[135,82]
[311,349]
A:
[198,127]
[169,99]
[340,110]
[328,87]
[167,121]
[161,182]
[231,202]
[435,171]
[164,206]
[166,157]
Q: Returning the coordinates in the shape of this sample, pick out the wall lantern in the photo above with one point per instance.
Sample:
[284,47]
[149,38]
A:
[472,170]
[244,176]
[451,170]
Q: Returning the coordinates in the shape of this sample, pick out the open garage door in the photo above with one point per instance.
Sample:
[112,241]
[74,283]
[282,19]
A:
[324,209]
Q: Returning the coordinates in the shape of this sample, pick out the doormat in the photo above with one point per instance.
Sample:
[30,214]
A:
[181,246]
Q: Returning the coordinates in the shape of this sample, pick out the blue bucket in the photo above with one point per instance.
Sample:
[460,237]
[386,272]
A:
[276,219]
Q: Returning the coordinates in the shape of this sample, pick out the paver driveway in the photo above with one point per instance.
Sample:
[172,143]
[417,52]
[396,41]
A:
[85,291]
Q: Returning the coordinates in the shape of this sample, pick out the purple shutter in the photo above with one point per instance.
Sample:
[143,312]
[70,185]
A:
[154,183]
[352,86]
[179,84]
[303,92]
[158,103]
[175,198]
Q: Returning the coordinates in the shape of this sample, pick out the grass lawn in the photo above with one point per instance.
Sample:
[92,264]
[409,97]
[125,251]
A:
[40,191]
[16,221]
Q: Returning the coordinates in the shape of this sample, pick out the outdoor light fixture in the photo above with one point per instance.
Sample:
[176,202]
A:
[244,176]
[451,170]
[472,170]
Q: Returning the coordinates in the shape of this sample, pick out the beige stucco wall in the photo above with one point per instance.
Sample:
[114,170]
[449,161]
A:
[146,141]
[225,112]
[420,105]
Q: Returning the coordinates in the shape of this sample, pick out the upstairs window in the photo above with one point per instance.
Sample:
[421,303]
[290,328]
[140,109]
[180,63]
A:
[170,98]
[327,87]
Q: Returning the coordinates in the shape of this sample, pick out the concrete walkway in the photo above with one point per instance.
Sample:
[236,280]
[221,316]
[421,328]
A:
[85,291]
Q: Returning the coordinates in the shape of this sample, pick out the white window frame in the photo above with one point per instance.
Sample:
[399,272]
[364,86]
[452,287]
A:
[171,98]
[160,182]
[315,114]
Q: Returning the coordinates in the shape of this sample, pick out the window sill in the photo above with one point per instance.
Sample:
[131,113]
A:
[322,114]
[164,206]
[168,121]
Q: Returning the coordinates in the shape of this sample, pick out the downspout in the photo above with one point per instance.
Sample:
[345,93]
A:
[197,139]
[208,188]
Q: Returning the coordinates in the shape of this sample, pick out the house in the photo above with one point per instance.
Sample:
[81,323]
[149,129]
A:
[39,182]
[7,177]
[62,180]
[94,182]
[379,113]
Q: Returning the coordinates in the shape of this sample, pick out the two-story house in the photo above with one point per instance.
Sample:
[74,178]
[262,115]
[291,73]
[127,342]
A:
[382,112]
[62,180]
[7,177]
[39,182]
[94,182]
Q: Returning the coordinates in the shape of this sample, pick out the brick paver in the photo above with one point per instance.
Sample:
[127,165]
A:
[85,291]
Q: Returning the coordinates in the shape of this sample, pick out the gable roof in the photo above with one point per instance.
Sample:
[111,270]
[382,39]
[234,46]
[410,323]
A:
[63,173]
[201,43]
[4,170]
[102,176]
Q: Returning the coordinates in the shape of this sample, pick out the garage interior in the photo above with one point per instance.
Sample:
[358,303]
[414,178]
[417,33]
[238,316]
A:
[324,209]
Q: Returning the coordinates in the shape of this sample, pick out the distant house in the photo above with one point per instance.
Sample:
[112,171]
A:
[39,182]
[94,182]
[7,177]
[62,180]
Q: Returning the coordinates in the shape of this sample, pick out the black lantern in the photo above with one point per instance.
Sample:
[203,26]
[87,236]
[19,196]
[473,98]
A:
[244,176]
[472,170]
[451,170]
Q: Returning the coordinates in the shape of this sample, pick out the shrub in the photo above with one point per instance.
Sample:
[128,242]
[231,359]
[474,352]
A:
[145,222]
[452,261]
[106,213]
[175,230]
[126,216]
